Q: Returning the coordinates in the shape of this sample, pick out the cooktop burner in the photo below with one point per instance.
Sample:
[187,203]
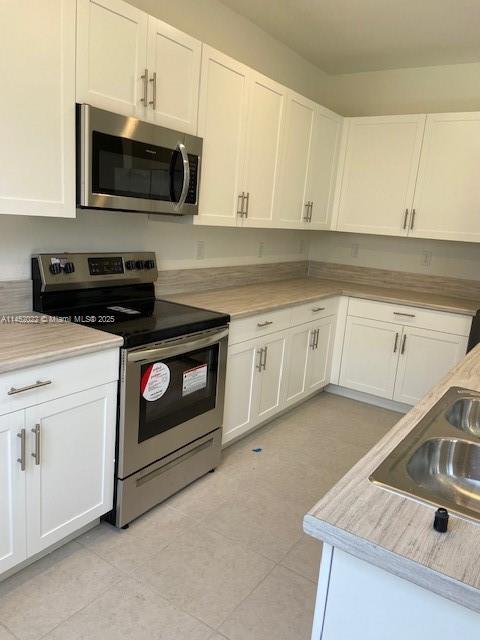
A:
[114,293]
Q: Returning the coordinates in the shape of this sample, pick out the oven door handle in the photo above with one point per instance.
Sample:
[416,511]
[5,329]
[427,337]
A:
[186,175]
[177,348]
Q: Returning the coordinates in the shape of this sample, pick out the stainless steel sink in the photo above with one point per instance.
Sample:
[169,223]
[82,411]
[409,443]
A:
[439,460]
[465,415]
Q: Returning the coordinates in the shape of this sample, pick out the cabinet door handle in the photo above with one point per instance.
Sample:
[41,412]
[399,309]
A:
[144,77]
[265,351]
[241,200]
[21,460]
[153,80]
[406,315]
[405,219]
[266,323]
[247,204]
[310,211]
[396,343]
[38,383]
[412,219]
[306,206]
[317,338]
[317,309]
[259,363]
[404,342]
[36,453]
[312,343]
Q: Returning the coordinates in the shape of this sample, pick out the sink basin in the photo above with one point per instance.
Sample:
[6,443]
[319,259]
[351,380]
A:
[450,469]
[439,460]
[465,415]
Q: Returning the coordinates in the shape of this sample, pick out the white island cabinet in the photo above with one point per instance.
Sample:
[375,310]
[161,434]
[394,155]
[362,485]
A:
[57,450]
[358,600]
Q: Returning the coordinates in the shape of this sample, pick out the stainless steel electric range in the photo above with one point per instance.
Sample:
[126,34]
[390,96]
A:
[172,371]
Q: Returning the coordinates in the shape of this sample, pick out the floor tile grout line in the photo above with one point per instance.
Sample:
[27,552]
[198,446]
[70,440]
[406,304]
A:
[5,626]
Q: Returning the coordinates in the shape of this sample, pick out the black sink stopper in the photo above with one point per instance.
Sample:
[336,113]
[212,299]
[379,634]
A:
[440,522]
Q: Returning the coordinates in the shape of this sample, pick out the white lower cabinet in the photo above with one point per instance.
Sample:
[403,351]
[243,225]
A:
[370,356]
[269,371]
[71,468]
[320,355]
[425,357]
[13,544]
[57,454]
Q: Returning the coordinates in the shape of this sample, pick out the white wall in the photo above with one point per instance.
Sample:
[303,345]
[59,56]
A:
[456,259]
[222,28]
[421,90]
[175,244]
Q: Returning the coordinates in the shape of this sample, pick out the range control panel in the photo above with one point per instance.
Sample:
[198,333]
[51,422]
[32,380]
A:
[76,270]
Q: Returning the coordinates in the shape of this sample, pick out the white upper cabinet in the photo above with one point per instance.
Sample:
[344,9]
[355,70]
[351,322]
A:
[447,196]
[322,167]
[222,122]
[378,167]
[291,202]
[266,105]
[131,63]
[111,55]
[37,109]
[173,63]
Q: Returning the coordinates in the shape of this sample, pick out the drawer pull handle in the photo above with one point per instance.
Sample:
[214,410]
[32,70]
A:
[264,324]
[38,383]
[406,315]
[317,309]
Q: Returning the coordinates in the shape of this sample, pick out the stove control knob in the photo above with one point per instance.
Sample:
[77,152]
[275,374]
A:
[55,268]
[140,264]
[149,264]
[69,267]
[130,264]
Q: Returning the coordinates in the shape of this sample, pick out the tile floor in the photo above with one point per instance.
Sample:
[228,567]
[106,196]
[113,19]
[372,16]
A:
[224,558]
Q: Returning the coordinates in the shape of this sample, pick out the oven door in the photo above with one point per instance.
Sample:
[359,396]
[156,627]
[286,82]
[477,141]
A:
[128,164]
[170,394]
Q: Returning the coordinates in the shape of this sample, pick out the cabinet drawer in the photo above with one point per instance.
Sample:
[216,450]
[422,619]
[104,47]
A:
[410,316]
[63,377]
[259,325]
[314,310]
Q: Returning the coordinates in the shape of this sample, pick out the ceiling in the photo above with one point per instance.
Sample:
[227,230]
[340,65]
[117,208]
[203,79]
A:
[346,36]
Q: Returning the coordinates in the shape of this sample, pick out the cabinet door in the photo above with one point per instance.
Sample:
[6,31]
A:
[70,481]
[270,378]
[447,198]
[425,357]
[37,110]
[239,411]
[370,356]
[111,56]
[12,492]
[322,167]
[291,209]
[320,355]
[379,169]
[262,154]
[222,125]
[299,341]
[173,62]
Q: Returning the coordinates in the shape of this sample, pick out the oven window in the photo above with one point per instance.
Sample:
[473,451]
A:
[125,167]
[177,389]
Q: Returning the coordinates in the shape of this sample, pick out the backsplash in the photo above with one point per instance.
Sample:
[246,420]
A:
[15,296]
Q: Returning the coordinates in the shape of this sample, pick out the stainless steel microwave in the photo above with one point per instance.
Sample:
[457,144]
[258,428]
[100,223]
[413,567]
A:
[126,164]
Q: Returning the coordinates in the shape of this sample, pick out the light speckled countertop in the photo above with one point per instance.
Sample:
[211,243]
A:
[257,298]
[395,532]
[32,338]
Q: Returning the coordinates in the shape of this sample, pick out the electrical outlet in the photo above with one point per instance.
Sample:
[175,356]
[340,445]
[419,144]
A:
[261,249]
[354,250]
[200,249]
[426,258]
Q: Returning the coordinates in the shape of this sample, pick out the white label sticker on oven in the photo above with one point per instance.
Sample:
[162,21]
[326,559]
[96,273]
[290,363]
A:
[155,381]
[194,379]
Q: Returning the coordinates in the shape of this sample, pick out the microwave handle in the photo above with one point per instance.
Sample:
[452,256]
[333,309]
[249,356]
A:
[183,345]
[186,175]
